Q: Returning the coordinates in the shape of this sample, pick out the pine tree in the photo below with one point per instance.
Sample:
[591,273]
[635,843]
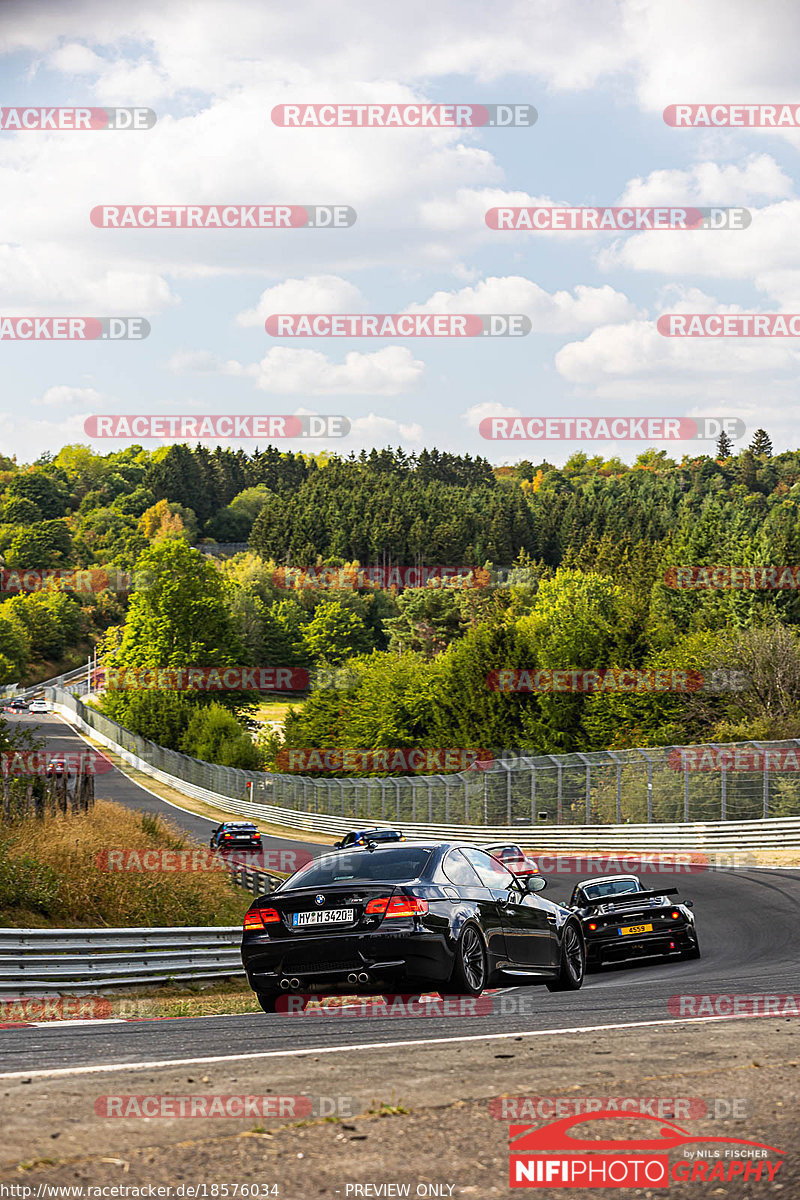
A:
[724,446]
[761,443]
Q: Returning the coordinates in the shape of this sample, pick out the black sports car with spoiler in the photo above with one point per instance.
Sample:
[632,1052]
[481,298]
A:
[622,919]
[411,916]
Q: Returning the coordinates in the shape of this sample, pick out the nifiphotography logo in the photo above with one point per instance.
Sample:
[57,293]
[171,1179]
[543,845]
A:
[550,1156]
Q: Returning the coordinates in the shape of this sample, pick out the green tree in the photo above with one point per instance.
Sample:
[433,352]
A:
[334,633]
[761,444]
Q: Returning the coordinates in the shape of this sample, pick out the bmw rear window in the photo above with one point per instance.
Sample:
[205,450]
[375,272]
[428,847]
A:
[399,865]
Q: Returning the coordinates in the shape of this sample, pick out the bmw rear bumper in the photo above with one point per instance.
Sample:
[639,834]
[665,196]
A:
[328,961]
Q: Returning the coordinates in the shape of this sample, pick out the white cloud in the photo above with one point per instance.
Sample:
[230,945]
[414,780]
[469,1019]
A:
[556,312]
[62,396]
[479,412]
[375,430]
[384,372]
[314,294]
[709,183]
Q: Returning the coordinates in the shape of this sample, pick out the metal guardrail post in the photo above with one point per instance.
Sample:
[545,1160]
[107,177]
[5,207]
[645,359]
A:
[533,794]
[723,798]
[507,767]
[685,790]
[559,797]
[588,804]
[649,786]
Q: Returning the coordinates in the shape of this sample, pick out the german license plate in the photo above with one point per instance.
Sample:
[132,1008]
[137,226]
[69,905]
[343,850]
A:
[329,916]
[627,929]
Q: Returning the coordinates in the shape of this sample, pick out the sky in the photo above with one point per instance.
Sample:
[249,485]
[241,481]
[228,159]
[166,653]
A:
[599,74]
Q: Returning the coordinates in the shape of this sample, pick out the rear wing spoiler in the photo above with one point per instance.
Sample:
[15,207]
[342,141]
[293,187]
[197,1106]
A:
[629,897]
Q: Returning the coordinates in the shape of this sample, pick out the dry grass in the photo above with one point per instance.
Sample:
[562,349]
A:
[50,875]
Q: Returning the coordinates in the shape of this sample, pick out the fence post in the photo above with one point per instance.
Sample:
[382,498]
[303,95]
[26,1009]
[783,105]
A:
[766,786]
[649,786]
[508,792]
[486,798]
[559,804]
[533,794]
[685,789]
[723,799]
[430,799]
[447,799]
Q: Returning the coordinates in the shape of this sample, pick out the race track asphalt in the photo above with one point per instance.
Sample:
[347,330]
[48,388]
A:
[747,922]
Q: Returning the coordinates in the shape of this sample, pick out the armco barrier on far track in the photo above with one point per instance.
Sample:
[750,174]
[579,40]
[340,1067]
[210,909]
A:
[34,961]
[629,800]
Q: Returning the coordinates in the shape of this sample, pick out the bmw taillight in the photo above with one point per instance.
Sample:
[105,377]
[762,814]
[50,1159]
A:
[593,925]
[396,906]
[675,914]
[258,918]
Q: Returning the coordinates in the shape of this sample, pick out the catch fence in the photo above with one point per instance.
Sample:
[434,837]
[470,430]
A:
[658,785]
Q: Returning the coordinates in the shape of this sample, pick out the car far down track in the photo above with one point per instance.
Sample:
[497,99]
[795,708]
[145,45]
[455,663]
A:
[622,919]
[421,915]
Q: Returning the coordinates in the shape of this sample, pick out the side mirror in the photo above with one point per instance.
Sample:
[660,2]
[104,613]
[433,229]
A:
[536,883]
[688,903]
[337,845]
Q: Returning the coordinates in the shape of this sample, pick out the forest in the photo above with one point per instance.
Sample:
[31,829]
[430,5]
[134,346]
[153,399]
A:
[570,567]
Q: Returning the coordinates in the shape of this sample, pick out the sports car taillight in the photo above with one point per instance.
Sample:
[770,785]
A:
[593,925]
[257,918]
[396,906]
[675,914]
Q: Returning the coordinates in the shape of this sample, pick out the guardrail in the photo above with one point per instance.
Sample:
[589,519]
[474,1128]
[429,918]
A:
[34,961]
[774,832]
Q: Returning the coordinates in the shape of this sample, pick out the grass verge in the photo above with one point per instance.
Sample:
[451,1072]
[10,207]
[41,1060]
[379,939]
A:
[52,875]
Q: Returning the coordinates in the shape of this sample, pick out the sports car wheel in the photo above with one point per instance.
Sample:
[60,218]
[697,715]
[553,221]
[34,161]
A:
[469,969]
[693,950]
[573,963]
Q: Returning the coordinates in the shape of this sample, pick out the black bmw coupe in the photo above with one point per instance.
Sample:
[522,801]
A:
[412,916]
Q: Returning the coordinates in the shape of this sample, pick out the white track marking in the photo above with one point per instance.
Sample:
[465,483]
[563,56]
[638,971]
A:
[152,1064]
